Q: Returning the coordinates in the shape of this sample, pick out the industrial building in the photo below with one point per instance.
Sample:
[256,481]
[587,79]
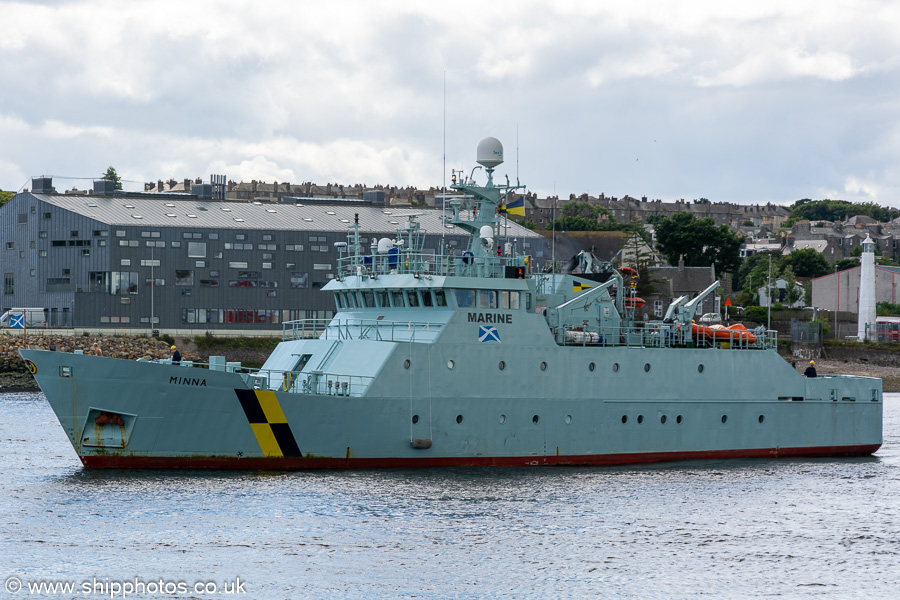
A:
[153,261]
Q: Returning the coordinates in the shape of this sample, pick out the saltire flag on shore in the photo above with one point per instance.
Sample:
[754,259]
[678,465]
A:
[516,207]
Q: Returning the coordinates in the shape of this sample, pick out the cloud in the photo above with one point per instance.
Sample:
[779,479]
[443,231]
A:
[751,102]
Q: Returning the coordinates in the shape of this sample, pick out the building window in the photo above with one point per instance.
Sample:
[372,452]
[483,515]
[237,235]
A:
[120,233]
[658,308]
[10,245]
[42,234]
[299,280]
[184,277]
[86,252]
[21,254]
[46,215]
[237,265]
[267,265]
[125,262]
[8,283]
[196,249]
[153,262]
[42,253]
[214,236]
[267,238]
[176,244]
[200,264]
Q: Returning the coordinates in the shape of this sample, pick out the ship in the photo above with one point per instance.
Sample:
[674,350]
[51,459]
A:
[466,357]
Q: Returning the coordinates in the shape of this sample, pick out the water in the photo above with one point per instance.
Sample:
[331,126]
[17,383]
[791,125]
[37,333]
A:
[825,528]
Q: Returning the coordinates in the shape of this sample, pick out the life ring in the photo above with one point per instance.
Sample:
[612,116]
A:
[468,257]
[287,382]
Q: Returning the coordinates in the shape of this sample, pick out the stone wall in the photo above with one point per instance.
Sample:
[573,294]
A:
[115,346]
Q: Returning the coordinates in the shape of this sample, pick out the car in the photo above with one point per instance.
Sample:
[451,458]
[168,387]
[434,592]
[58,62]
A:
[711,319]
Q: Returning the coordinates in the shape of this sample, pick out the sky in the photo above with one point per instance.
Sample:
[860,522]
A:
[748,102]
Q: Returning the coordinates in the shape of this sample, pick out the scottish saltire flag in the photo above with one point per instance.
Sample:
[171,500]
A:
[18,322]
[516,207]
[488,334]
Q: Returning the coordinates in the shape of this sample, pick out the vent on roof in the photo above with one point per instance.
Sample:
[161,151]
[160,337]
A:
[170,214]
[170,205]
[104,187]
[137,216]
[91,204]
[129,206]
[271,210]
[227,209]
[192,216]
[202,208]
[41,185]
[307,219]
[330,212]
[395,223]
[239,220]
[258,203]
[344,221]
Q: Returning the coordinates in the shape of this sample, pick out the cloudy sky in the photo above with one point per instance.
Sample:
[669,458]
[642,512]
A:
[742,102]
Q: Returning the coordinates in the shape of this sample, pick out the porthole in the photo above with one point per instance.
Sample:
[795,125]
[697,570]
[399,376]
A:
[762,418]
[591,367]
[535,419]
[501,365]
[624,418]
[615,367]
[415,419]
[502,418]
[568,419]
[406,364]
[647,367]
[699,368]
[640,419]
[678,419]
[662,419]
[459,419]
[450,364]
[543,366]
[724,418]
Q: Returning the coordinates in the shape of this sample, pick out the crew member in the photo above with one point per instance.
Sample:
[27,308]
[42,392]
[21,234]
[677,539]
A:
[811,369]
[176,356]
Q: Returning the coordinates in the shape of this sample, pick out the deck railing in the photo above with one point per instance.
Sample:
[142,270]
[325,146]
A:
[360,329]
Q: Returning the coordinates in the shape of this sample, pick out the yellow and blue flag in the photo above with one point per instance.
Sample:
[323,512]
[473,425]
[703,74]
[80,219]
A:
[516,207]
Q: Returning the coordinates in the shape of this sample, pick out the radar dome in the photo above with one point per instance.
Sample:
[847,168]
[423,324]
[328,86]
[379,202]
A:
[489,153]
[384,244]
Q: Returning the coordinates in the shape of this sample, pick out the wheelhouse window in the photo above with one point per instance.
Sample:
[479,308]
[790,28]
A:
[397,297]
[465,298]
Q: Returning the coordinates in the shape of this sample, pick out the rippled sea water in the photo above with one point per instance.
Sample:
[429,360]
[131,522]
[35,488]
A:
[789,528]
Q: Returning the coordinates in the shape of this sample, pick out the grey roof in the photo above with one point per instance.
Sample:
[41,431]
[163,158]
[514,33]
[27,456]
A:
[190,212]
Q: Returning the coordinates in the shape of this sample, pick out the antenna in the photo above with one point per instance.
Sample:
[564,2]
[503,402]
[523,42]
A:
[444,170]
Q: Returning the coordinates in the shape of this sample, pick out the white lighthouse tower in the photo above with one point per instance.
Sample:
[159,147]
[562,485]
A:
[866,329]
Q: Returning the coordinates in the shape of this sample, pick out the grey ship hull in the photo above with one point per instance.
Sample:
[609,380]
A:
[121,414]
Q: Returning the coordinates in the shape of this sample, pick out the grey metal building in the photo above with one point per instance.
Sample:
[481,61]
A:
[112,259]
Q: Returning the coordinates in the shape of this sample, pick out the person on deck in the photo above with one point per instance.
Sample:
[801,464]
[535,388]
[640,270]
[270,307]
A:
[176,355]
[810,370]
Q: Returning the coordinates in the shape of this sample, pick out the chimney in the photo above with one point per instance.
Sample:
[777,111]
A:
[681,263]
[159,185]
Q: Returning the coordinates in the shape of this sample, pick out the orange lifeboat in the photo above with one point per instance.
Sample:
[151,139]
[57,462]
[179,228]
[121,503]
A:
[634,302]
[734,333]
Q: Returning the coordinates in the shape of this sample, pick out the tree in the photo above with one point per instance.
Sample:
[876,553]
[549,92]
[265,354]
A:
[111,175]
[846,263]
[5,197]
[699,241]
[791,292]
[807,262]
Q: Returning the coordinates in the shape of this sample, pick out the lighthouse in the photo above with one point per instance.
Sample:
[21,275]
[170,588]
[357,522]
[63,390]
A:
[866,328]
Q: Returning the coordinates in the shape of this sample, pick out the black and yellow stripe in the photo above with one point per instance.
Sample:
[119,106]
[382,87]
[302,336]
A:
[580,287]
[269,424]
